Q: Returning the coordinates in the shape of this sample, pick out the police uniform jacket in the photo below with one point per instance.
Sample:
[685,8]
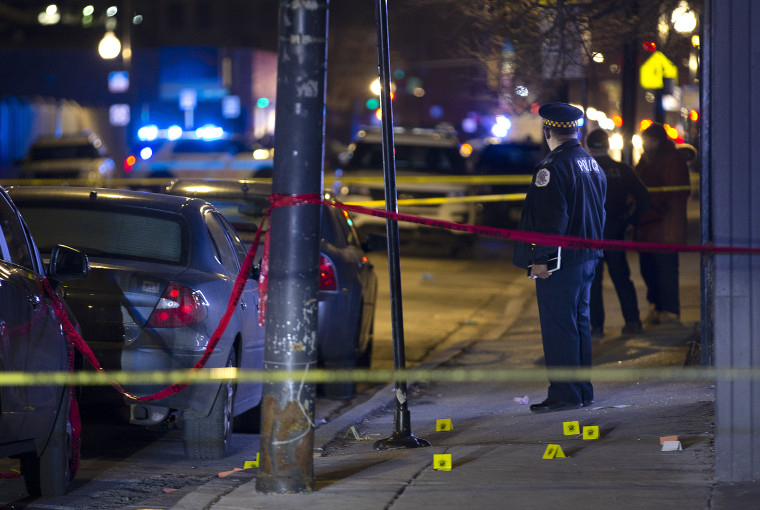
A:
[566,197]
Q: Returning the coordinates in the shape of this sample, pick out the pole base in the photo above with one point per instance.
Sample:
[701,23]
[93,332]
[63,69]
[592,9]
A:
[401,440]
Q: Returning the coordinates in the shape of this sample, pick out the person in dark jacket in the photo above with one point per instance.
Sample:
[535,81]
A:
[627,199]
[566,197]
[663,222]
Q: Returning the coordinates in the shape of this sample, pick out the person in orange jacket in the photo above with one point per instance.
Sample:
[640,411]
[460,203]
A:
[664,221]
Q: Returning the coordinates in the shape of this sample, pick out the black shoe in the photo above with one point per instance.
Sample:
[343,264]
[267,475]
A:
[587,403]
[632,328]
[597,332]
[549,406]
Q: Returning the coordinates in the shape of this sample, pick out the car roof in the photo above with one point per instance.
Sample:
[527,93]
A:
[412,136]
[86,195]
[222,188]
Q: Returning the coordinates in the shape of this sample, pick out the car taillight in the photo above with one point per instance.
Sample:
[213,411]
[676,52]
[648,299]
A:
[178,307]
[327,278]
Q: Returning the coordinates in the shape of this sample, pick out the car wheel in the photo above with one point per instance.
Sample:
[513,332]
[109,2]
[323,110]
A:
[209,437]
[51,472]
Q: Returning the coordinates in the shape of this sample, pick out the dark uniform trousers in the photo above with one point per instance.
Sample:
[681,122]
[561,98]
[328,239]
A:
[620,274]
[660,273]
[565,321]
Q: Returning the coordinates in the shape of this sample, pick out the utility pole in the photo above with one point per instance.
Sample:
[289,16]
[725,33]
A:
[287,420]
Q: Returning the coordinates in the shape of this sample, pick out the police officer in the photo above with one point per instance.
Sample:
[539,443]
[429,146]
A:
[566,197]
[627,199]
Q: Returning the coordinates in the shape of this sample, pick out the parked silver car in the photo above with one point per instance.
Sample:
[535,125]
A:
[347,285]
[162,272]
[38,424]
[69,157]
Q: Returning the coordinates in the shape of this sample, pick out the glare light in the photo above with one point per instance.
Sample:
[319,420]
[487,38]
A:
[636,141]
[148,133]
[465,150]
[618,120]
[521,90]
[88,10]
[375,87]
[173,132]
[260,154]
[209,132]
[50,16]
[109,46]
[146,153]
[645,123]
[607,124]
[501,126]
[591,113]
[695,40]
[598,58]
[111,11]
[616,141]
[684,20]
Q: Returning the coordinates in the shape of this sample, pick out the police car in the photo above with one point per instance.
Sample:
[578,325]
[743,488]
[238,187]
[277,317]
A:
[425,154]
[205,152]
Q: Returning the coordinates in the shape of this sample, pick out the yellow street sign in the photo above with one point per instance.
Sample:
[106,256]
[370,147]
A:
[654,69]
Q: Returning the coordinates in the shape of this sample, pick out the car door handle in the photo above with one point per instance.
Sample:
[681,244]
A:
[35,301]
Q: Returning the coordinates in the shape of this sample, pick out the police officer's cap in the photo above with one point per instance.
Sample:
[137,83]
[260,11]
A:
[561,115]
[598,140]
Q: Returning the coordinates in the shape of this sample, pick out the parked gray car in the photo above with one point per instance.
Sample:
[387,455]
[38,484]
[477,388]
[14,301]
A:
[348,283]
[162,272]
[38,424]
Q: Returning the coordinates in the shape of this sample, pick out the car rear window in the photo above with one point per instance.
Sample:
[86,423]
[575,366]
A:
[135,235]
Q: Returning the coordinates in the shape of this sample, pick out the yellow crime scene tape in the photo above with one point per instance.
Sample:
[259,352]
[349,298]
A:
[317,376]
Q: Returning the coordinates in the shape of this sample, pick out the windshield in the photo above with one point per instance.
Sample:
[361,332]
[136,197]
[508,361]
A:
[135,234]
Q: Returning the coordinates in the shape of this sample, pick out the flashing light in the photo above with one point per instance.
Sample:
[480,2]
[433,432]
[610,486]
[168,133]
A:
[209,132]
[145,153]
[693,115]
[148,133]
[501,126]
[129,163]
[173,132]
[650,46]
[645,123]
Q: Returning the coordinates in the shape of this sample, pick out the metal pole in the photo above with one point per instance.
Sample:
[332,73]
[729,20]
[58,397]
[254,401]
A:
[402,436]
[287,408]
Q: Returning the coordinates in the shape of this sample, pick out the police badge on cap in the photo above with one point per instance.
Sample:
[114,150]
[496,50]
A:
[561,115]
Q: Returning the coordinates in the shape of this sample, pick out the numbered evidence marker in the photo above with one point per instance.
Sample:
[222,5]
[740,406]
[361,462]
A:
[554,451]
[252,463]
[591,432]
[571,428]
[442,462]
[443,425]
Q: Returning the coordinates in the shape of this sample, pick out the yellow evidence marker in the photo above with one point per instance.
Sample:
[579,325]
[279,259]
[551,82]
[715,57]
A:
[252,463]
[591,432]
[443,425]
[554,451]
[442,462]
[571,428]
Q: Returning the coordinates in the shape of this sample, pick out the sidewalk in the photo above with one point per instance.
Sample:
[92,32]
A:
[497,445]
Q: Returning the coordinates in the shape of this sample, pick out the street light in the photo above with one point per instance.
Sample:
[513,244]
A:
[684,20]
[109,46]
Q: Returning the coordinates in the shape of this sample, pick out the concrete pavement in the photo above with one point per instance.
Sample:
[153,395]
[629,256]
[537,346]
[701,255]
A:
[497,446]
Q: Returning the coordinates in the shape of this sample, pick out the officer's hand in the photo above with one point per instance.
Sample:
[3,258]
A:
[540,271]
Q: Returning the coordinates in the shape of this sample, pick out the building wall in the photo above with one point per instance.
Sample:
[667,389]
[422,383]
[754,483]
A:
[732,66]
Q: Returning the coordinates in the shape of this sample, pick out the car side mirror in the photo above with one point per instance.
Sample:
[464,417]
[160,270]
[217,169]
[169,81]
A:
[67,264]
[375,242]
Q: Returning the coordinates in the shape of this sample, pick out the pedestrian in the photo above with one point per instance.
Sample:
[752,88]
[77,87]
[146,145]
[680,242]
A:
[566,196]
[664,221]
[627,199]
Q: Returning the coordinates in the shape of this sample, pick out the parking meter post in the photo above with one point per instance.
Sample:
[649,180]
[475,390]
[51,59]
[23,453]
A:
[402,436]
[287,406]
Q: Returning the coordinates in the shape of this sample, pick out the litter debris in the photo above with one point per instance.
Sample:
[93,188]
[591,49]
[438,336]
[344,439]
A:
[667,438]
[228,473]
[443,425]
[671,446]
[554,451]
[442,462]
[522,400]
[167,489]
